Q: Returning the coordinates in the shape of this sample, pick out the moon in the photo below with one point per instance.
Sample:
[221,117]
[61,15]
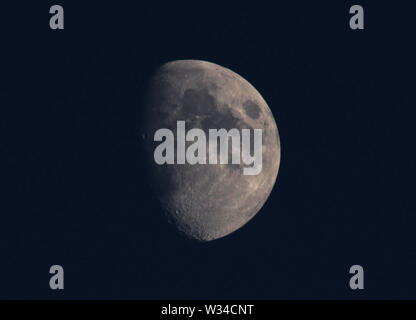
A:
[207,201]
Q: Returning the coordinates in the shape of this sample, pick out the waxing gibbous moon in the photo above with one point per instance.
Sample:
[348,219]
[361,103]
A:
[207,201]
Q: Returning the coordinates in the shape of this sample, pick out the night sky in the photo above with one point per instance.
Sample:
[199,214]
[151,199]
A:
[72,183]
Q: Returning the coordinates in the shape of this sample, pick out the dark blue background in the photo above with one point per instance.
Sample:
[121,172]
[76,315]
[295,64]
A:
[72,183]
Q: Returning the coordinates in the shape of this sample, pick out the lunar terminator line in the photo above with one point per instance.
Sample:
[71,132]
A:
[207,202]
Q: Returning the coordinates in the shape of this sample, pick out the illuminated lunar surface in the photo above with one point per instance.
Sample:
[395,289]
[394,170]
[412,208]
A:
[207,201]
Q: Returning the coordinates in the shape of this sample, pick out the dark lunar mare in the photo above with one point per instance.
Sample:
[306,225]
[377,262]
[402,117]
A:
[207,202]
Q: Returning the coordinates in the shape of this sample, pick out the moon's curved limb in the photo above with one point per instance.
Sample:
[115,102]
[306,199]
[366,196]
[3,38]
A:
[207,202]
